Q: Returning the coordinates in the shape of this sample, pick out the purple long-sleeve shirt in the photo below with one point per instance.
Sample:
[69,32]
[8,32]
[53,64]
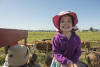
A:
[65,50]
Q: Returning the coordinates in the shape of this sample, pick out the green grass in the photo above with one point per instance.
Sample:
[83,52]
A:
[2,56]
[85,36]
[89,35]
[39,36]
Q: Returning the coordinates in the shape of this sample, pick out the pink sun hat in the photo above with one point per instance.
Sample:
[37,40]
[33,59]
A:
[57,17]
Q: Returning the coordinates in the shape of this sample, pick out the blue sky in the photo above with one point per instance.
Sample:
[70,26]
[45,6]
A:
[37,14]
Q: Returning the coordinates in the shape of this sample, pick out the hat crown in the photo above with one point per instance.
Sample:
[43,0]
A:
[64,12]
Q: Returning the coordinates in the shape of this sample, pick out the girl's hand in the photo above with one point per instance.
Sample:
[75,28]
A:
[75,65]
[70,64]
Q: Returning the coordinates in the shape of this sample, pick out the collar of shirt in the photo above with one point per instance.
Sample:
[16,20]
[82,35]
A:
[64,37]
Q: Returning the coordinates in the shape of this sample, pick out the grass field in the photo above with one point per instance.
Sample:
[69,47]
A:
[45,35]
[32,36]
[39,36]
[2,55]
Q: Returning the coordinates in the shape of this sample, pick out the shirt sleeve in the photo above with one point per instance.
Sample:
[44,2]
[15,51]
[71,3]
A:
[57,52]
[77,52]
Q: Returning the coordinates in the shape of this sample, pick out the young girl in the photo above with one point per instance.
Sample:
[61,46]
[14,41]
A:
[66,44]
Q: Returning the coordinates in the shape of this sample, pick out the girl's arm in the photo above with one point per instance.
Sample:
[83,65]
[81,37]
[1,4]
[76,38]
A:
[57,52]
[77,51]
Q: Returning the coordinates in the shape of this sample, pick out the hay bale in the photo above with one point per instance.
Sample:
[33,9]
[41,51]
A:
[43,45]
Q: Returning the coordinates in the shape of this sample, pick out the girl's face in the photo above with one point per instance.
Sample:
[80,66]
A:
[66,23]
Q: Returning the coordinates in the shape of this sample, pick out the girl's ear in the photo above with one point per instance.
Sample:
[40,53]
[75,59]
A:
[73,27]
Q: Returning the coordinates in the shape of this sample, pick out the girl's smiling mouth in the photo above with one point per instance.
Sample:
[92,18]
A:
[66,27]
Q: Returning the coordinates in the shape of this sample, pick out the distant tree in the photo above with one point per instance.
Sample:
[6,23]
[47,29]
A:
[96,30]
[91,29]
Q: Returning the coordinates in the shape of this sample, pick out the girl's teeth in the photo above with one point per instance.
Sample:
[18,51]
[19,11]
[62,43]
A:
[65,27]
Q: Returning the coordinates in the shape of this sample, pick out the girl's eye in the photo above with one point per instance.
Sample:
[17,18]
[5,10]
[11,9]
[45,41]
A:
[62,21]
[69,21]
[10,55]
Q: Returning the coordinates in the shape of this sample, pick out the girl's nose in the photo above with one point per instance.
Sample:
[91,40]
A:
[65,24]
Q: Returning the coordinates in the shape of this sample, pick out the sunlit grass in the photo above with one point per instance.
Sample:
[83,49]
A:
[85,36]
